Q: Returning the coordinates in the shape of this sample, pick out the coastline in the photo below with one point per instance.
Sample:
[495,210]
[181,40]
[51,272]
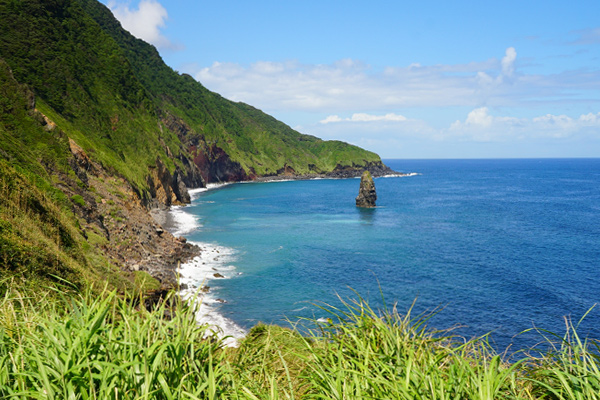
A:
[338,173]
[198,277]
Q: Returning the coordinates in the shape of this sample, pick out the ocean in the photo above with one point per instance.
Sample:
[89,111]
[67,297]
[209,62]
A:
[501,246]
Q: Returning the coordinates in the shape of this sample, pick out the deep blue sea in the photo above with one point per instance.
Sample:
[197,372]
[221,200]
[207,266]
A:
[502,245]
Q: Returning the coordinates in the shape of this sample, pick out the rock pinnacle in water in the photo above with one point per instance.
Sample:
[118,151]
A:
[366,194]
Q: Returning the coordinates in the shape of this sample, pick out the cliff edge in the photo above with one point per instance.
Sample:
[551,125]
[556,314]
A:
[100,131]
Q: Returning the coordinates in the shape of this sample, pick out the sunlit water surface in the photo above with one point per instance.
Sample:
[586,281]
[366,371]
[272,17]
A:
[503,245]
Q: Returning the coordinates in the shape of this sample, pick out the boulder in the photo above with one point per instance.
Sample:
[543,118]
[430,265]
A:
[366,194]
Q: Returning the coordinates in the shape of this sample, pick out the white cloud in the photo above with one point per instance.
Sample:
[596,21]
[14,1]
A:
[559,126]
[363,117]
[374,132]
[481,130]
[348,85]
[590,119]
[481,126]
[288,85]
[479,117]
[488,86]
[341,86]
[561,121]
[508,62]
[331,118]
[145,22]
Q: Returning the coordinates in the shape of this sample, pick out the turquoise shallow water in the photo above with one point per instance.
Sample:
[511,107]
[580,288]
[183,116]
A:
[501,244]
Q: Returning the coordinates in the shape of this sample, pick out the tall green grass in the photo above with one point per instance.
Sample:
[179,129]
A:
[365,355]
[103,347]
[361,353]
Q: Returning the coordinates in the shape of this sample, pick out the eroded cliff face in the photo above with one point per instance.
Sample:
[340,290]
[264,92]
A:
[116,220]
[216,165]
[209,162]
[376,169]
[117,217]
[166,189]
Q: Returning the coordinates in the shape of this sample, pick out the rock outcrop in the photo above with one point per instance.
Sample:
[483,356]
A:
[215,164]
[166,189]
[115,218]
[376,169]
[366,194]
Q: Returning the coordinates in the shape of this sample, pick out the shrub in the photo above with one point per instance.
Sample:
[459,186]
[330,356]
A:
[77,199]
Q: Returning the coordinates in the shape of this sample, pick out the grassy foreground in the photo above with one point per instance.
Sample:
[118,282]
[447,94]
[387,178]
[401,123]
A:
[92,347]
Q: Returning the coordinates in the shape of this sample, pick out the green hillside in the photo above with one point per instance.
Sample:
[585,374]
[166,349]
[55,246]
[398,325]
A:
[114,96]
[41,238]
[95,130]
[96,133]
[260,143]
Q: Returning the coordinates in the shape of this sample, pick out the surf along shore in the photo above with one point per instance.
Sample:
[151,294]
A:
[198,276]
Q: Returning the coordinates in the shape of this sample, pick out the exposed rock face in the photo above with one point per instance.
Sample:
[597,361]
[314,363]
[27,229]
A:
[366,194]
[160,183]
[216,165]
[180,188]
[166,189]
[352,171]
[80,162]
[117,218]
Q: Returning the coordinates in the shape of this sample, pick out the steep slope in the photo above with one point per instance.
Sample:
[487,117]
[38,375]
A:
[212,125]
[95,129]
[51,230]
[115,96]
[85,85]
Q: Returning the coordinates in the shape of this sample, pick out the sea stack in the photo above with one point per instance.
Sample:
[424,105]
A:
[366,194]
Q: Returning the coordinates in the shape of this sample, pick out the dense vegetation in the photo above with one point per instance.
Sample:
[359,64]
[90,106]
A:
[94,347]
[256,140]
[71,76]
[115,97]
[72,324]
[40,236]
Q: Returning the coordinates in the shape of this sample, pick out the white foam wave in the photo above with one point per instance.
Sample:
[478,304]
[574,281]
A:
[214,264]
[301,309]
[195,193]
[277,249]
[279,180]
[274,180]
[402,175]
[184,223]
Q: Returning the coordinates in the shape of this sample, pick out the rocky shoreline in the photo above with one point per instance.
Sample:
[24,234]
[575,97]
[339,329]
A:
[376,170]
[118,221]
[139,238]
[196,274]
[165,263]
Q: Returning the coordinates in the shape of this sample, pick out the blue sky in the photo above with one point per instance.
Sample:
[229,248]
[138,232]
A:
[433,79]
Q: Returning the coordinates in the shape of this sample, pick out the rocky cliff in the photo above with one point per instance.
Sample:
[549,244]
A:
[105,131]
